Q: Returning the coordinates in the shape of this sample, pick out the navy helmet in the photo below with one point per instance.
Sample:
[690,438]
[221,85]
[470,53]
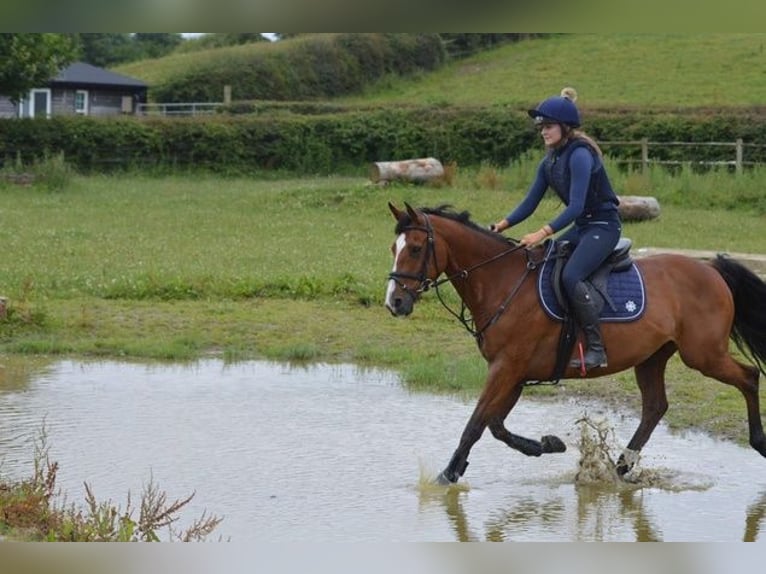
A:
[559,109]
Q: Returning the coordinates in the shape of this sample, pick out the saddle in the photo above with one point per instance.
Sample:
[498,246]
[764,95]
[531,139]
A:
[620,260]
[616,287]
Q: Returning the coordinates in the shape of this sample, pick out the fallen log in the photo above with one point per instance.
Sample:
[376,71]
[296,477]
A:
[638,208]
[411,170]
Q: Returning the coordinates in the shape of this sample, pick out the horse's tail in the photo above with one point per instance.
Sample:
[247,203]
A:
[749,293]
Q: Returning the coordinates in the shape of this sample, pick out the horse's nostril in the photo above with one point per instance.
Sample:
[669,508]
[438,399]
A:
[397,303]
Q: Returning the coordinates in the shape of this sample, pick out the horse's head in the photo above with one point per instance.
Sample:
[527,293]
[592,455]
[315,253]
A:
[416,257]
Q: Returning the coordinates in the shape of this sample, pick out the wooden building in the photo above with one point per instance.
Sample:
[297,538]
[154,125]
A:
[79,89]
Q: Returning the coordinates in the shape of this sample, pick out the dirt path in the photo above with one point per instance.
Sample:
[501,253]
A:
[755,261]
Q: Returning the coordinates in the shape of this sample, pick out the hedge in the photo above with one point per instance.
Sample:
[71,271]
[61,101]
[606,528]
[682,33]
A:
[311,67]
[347,142]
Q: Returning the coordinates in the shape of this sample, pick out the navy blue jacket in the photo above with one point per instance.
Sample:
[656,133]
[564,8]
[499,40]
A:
[576,173]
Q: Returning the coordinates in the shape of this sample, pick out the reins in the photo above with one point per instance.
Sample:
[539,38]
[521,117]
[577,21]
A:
[425,283]
[469,323]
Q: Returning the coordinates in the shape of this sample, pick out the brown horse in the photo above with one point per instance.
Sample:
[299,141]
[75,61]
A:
[693,308]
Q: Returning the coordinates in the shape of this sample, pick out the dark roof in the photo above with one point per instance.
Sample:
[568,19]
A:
[82,73]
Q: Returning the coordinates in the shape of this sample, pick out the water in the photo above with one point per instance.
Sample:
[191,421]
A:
[338,453]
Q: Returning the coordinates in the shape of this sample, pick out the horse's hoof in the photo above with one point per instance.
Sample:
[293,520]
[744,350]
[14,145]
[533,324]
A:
[443,479]
[626,462]
[622,470]
[552,443]
[623,467]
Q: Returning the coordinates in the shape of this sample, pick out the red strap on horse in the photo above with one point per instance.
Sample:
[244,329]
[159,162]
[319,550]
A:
[583,370]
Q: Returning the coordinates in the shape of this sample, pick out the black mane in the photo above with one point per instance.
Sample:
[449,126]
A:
[446,211]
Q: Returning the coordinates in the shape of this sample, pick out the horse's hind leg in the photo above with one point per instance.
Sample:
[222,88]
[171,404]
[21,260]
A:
[650,376]
[724,368]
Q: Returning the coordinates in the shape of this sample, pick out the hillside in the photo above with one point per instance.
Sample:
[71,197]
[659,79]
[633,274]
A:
[156,71]
[608,70]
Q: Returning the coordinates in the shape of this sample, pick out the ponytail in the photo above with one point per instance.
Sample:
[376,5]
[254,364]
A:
[581,135]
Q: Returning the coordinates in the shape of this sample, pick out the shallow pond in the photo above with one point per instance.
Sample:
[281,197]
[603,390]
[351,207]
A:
[338,453]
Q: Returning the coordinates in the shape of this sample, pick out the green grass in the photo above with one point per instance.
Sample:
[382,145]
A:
[196,239]
[608,71]
[295,270]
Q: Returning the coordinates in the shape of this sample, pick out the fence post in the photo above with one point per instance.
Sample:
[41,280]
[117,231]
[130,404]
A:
[738,165]
[644,154]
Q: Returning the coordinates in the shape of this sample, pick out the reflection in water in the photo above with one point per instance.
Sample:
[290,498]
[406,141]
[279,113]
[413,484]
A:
[755,516]
[457,516]
[331,453]
[17,372]
[546,514]
[600,513]
[600,508]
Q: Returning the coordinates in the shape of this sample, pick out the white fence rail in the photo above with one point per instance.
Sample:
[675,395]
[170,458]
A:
[737,158]
[186,109]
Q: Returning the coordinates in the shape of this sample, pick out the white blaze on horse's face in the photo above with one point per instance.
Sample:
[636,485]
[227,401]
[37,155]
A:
[399,246]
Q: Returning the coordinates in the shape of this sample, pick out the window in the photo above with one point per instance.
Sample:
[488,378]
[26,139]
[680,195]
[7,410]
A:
[38,105]
[81,102]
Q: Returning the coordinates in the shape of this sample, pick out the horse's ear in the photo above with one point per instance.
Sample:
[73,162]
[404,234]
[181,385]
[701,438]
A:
[397,213]
[411,212]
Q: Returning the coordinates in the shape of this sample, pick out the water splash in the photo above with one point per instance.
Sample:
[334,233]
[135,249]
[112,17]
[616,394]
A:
[596,465]
[428,483]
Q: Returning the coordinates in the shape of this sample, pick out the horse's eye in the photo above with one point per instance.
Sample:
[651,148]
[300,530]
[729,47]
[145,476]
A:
[415,250]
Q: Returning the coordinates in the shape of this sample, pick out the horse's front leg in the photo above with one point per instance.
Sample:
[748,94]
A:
[527,446]
[459,461]
[496,399]
[499,396]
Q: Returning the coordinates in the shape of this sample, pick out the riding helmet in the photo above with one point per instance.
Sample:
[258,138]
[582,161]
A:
[560,109]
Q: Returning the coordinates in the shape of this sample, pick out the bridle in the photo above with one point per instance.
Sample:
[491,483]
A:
[425,283]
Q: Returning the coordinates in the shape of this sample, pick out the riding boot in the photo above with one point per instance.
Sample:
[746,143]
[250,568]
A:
[586,314]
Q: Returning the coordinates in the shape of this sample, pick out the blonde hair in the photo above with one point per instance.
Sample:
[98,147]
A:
[575,133]
[569,93]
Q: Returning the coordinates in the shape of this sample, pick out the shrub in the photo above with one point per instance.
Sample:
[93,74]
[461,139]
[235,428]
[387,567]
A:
[328,139]
[305,68]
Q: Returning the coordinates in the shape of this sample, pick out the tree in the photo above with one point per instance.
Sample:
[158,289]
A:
[222,39]
[31,60]
[460,45]
[156,44]
[104,50]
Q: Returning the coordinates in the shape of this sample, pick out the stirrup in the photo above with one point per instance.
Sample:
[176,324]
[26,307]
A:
[583,363]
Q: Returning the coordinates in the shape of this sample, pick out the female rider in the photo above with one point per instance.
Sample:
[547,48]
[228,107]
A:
[573,167]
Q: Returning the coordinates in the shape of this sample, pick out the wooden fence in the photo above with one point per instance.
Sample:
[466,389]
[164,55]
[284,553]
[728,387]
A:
[737,160]
[192,109]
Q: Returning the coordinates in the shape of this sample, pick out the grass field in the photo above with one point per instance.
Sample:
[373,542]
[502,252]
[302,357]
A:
[294,270]
[608,71]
